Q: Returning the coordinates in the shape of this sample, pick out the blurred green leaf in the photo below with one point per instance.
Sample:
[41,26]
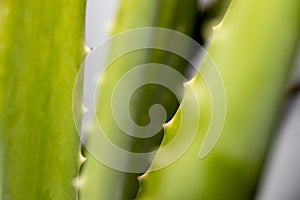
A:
[252,48]
[101,182]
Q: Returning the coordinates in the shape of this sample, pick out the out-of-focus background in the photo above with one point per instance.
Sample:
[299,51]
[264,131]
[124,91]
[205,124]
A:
[281,174]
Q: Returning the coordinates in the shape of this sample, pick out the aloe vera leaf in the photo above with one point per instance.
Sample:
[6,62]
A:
[101,182]
[252,48]
[41,50]
[0,171]
[1,98]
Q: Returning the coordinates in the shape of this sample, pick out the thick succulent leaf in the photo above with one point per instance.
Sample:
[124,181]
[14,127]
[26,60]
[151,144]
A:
[101,182]
[252,48]
[41,49]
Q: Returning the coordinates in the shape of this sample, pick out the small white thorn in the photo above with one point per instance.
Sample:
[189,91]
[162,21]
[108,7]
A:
[189,83]
[77,182]
[87,49]
[84,109]
[82,159]
[217,27]
[140,178]
[185,84]
[165,125]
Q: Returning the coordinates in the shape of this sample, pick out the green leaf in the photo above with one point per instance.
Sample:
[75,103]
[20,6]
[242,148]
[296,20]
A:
[101,182]
[41,49]
[253,49]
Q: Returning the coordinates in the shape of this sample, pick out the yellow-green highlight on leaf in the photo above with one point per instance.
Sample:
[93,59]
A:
[41,49]
[253,49]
